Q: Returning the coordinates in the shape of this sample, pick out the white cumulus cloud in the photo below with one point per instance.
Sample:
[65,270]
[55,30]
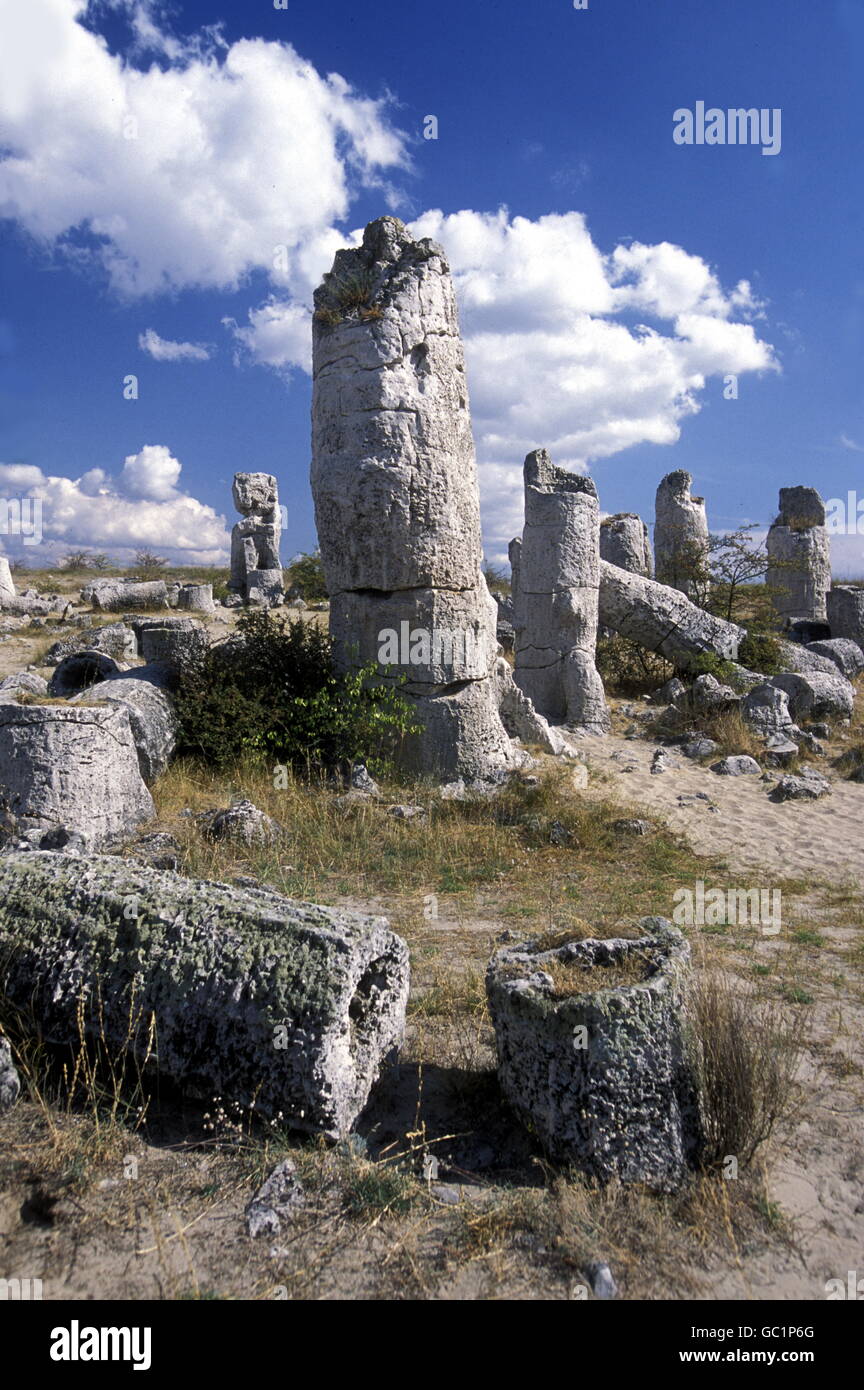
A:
[191,173]
[165,350]
[140,508]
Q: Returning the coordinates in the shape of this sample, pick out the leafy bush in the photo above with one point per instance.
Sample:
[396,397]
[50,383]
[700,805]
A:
[306,575]
[628,669]
[275,694]
[760,651]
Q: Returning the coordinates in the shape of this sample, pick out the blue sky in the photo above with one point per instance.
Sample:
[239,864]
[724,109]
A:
[187,172]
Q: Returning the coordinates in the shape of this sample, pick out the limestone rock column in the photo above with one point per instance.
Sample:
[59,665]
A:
[396,497]
[680,535]
[256,571]
[624,542]
[799,556]
[556,605]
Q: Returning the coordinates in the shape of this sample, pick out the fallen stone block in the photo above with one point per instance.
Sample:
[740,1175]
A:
[152,717]
[766,710]
[737,766]
[591,1052]
[113,595]
[278,1198]
[263,1001]
[70,771]
[22,682]
[116,639]
[662,619]
[196,597]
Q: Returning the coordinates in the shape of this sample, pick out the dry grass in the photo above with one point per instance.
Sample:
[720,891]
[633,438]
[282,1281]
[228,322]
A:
[747,1054]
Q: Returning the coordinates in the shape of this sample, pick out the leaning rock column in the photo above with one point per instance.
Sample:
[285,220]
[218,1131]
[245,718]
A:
[556,606]
[680,535]
[396,498]
[624,542]
[799,556]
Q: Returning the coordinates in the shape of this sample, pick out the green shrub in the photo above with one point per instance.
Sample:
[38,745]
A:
[306,575]
[628,669]
[761,652]
[275,695]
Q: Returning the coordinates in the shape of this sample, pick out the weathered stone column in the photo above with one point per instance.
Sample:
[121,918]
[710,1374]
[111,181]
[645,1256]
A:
[680,535]
[396,498]
[256,571]
[845,606]
[7,583]
[624,542]
[556,606]
[799,556]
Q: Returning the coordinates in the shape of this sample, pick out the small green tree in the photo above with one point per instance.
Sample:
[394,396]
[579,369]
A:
[306,575]
[100,561]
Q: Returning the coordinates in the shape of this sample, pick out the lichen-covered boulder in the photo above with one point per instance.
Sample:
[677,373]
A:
[591,1052]
[67,771]
[243,823]
[281,1005]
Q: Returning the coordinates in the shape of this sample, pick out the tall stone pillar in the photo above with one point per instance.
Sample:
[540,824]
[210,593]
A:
[256,571]
[624,542]
[799,556]
[396,498]
[556,603]
[680,536]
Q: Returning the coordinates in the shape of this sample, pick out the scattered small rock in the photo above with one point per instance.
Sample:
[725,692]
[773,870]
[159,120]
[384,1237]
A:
[276,1200]
[631,827]
[737,766]
[243,822]
[602,1282]
[809,785]
[406,812]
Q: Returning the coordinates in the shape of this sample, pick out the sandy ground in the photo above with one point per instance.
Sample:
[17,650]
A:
[822,840]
